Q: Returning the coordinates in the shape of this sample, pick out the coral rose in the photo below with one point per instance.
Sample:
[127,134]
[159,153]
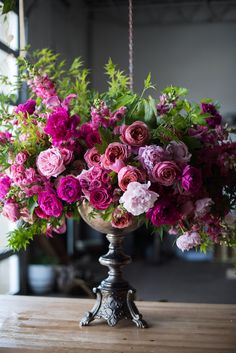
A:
[120,218]
[92,157]
[129,174]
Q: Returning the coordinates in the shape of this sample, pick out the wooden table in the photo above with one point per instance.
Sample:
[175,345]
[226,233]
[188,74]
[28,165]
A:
[50,325]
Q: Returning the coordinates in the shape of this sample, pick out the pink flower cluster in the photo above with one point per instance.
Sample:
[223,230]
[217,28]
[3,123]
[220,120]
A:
[118,165]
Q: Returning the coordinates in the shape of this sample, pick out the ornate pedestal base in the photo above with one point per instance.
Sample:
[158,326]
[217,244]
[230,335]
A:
[115,297]
[114,306]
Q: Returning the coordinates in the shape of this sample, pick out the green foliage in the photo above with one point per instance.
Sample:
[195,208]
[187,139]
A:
[8,5]
[117,81]
[19,238]
[106,138]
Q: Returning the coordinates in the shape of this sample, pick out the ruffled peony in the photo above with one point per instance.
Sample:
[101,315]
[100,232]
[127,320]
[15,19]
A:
[50,204]
[28,107]
[179,152]
[137,199]
[163,212]
[203,206]
[188,241]
[151,155]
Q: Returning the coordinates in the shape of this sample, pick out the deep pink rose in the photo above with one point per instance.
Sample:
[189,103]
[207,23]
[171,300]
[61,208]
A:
[5,184]
[69,189]
[28,107]
[163,212]
[191,179]
[11,210]
[92,157]
[121,219]
[50,204]
[136,134]
[100,198]
[50,162]
[129,174]
[165,173]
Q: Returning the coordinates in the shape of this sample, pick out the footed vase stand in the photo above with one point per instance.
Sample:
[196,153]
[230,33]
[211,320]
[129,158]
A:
[115,297]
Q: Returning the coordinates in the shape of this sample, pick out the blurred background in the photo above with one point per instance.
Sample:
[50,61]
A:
[186,43]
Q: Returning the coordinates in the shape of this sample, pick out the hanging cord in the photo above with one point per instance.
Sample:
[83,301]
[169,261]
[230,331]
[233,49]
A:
[131,46]
[22,28]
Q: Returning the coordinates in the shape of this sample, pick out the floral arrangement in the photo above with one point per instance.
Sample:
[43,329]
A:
[167,161]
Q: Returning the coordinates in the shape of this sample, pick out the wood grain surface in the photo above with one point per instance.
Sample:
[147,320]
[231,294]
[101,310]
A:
[51,325]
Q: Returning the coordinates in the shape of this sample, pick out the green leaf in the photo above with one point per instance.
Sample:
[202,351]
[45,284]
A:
[106,138]
[192,142]
[8,6]
[147,82]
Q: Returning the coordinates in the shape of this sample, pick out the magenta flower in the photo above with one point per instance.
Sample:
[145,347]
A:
[69,189]
[5,184]
[191,179]
[215,118]
[50,204]
[28,107]
[61,127]
[100,198]
[163,212]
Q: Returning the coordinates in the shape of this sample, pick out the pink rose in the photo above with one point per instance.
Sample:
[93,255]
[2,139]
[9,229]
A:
[116,151]
[50,162]
[136,134]
[165,173]
[179,152]
[66,154]
[40,213]
[11,211]
[120,218]
[21,157]
[100,198]
[92,157]
[129,174]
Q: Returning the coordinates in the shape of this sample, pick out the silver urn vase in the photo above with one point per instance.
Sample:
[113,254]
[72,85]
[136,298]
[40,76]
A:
[115,296]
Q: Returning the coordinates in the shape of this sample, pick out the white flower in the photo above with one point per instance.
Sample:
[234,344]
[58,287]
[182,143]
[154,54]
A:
[188,241]
[203,206]
[137,199]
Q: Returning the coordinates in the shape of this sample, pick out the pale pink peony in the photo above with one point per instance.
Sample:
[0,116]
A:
[179,152]
[92,157]
[203,206]
[137,199]
[165,173]
[50,162]
[129,174]
[188,241]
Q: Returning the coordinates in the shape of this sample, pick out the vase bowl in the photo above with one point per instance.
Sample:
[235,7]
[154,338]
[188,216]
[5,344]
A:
[97,223]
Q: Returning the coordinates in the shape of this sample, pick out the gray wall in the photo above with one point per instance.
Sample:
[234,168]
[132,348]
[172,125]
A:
[199,55]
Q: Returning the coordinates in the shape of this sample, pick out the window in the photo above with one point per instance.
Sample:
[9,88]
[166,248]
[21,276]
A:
[9,44]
